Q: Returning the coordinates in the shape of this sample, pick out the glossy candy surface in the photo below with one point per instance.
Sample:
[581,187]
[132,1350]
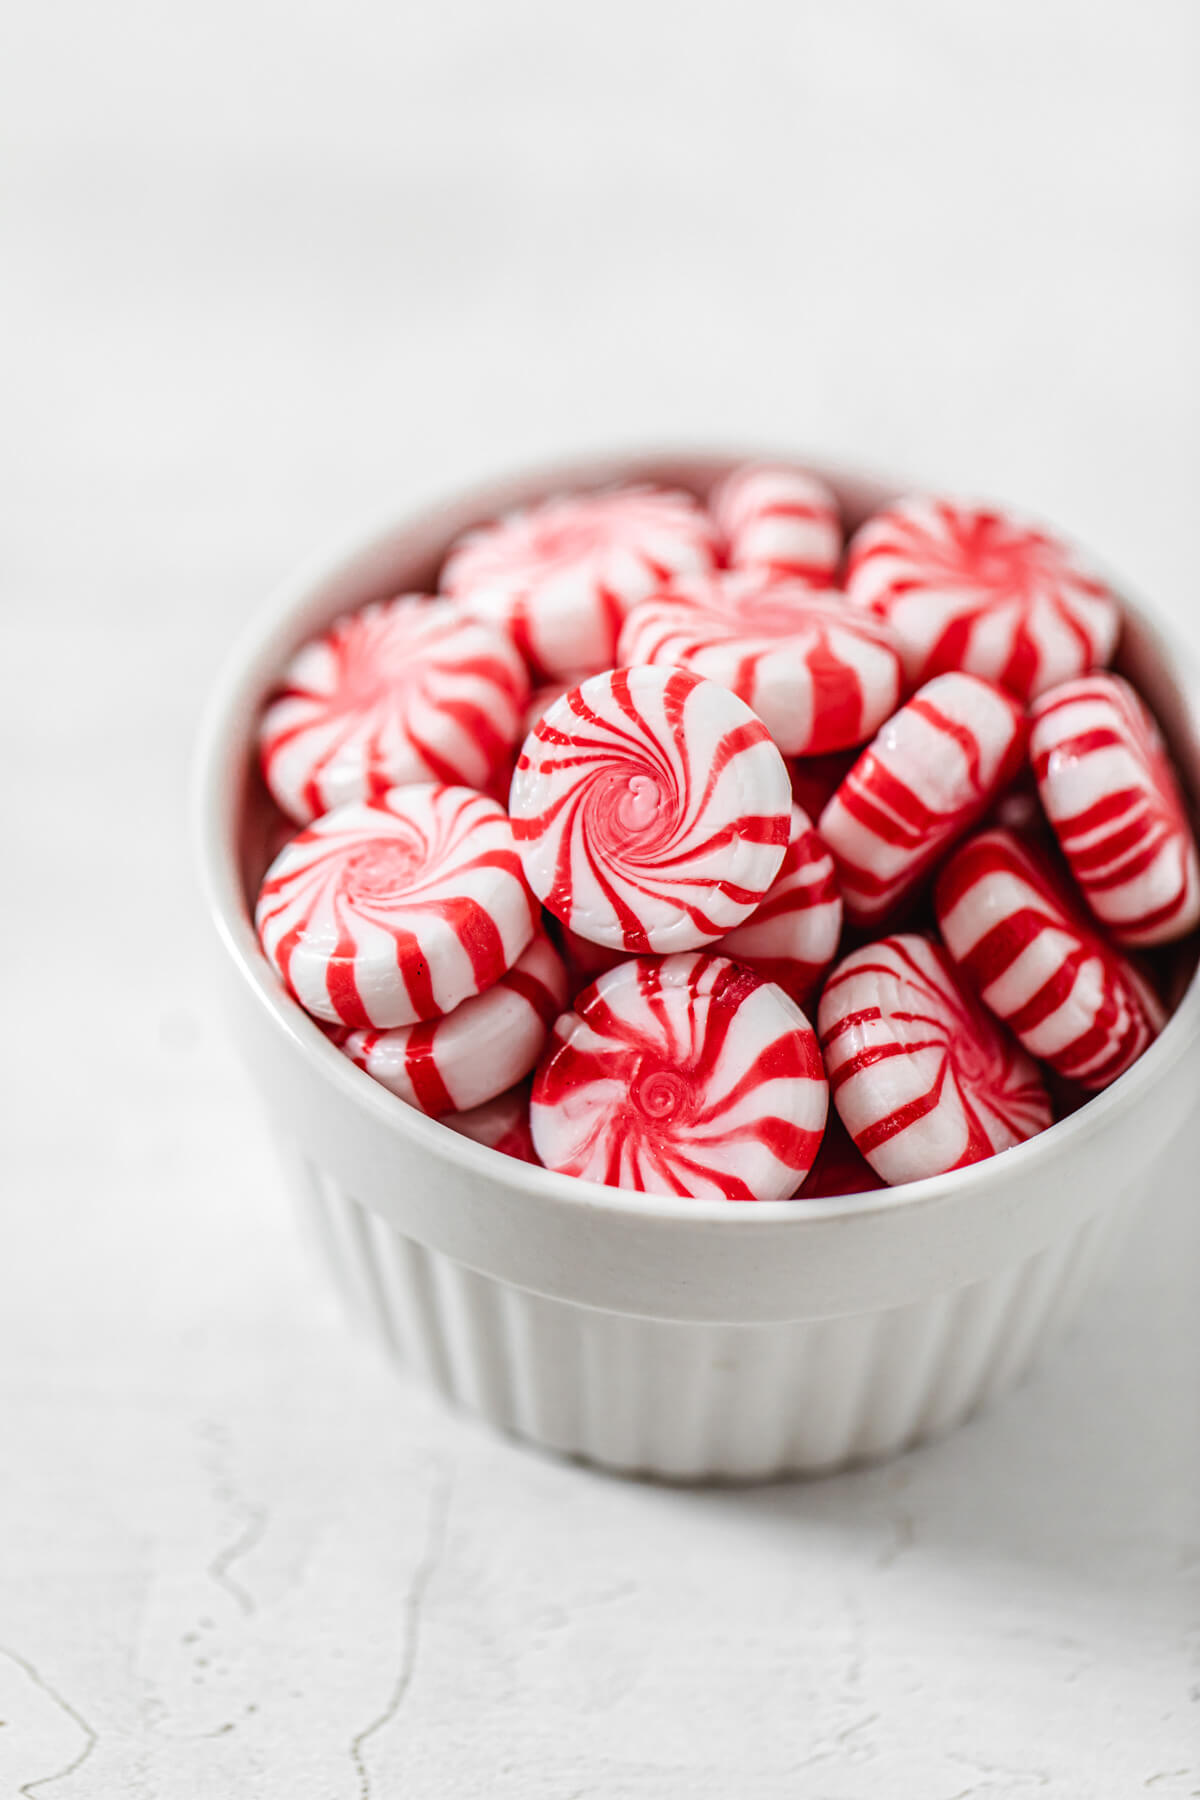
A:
[793,936]
[973,588]
[779,520]
[1111,795]
[820,675]
[560,576]
[404,691]
[396,909]
[687,1076]
[475,1052]
[931,772]
[651,810]
[1026,948]
[923,1079]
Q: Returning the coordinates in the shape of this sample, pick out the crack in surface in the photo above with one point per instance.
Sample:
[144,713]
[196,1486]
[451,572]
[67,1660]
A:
[994,1771]
[91,1737]
[414,1606]
[253,1518]
[218,1569]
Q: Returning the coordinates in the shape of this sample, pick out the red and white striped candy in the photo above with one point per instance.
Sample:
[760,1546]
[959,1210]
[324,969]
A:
[933,770]
[472,1054]
[651,810]
[1108,789]
[818,674]
[501,1124]
[406,690]
[924,1080]
[687,1076]
[1024,946]
[397,909]
[778,520]
[560,576]
[793,936]
[967,587]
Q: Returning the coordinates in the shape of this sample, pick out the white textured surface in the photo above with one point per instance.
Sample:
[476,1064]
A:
[266,270]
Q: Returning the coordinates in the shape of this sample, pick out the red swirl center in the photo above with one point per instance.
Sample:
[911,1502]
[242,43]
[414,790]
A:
[1005,561]
[971,1059]
[382,870]
[663,1096]
[630,814]
[566,540]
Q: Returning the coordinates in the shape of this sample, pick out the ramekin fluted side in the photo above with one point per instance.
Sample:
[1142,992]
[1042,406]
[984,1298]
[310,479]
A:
[698,1401]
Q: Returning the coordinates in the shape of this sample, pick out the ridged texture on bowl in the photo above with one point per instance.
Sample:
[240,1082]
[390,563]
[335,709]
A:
[691,1402]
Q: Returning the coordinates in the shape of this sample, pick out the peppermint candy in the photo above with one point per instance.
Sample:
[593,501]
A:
[973,588]
[502,1124]
[560,576]
[1026,950]
[651,810]
[793,936]
[780,521]
[472,1054]
[406,690]
[930,774]
[687,1076]
[1110,793]
[924,1080]
[396,909]
[819,675]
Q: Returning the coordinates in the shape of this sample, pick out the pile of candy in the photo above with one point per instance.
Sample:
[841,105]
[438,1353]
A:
[557,822]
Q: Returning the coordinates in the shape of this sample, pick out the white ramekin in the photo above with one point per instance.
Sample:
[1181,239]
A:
[683,1339]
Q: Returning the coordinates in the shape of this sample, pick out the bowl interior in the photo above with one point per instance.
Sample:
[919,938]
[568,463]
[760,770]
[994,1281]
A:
[241,830]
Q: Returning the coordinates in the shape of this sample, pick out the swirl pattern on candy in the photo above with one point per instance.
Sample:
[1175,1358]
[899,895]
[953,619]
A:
[1026,950]
[561,575]
[651,810]
[973,588]
[501,1124]
[923,1079]
[819,675]
[474,1053]
[779,520]
[1110,793]
[405,690]
[932,771]
[793,936]
[393,910]
[688,1076]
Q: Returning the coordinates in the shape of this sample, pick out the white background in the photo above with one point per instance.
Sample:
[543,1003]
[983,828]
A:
[273,267]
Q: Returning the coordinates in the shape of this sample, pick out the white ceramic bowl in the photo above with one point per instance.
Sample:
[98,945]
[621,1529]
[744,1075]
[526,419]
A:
[684,1339]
